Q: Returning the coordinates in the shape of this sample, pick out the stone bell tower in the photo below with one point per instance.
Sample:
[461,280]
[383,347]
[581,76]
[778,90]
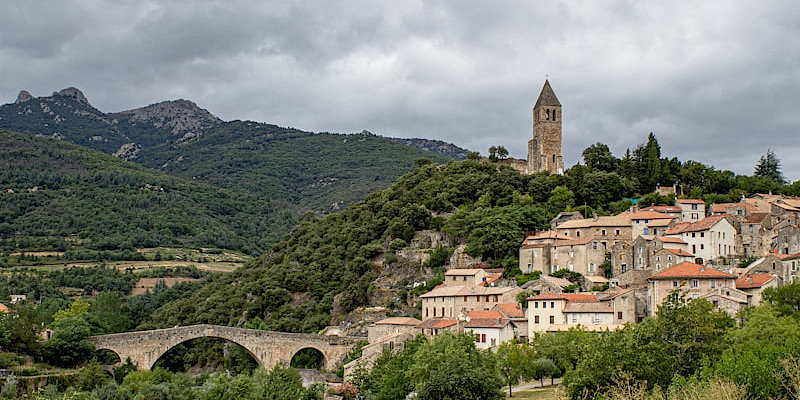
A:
[544,150]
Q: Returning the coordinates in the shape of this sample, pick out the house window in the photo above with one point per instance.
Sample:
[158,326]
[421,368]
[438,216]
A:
[658,258]
[578,233]
[693,234]
[694,206]
[483,337]
[658,267]
[646,231]
[674,283]
[669,258]
[592,267]
[702,246]
[713,283]
[603,232]
[616,232]
[552,319]
[702,234]
[544,304]
[695,283]
[465,278]
[434,311]
[535,304]
[443,311]
[426,312]
[594,245]
[574,318]
[619,314]
[535,319]
[552,304]
[624,268]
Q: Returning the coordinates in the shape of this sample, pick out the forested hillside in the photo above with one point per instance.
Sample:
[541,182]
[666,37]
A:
[58,196]
[321,172]
[336,262]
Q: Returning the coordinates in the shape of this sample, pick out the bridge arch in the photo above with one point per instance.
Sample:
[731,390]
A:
[144,348]
[303,358]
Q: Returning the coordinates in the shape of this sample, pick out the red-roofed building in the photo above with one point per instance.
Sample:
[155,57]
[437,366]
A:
[754,285]
[433,327]
[534,255]
[390,326]
[490,332]
[696,281]
[708,239]
[691,209]
[3,309]
[650,223]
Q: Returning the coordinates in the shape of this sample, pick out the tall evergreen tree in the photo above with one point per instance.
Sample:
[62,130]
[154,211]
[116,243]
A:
[769,166]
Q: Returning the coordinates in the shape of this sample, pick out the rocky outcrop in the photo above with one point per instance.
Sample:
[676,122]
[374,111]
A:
[128,151]
[23,96]
[75,93]
[178,116]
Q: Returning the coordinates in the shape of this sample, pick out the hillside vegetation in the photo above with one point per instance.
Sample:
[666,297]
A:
[55,195]
[320,172]
[337,262]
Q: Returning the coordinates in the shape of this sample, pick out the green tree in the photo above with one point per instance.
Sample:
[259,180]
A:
[450,367]
[769,166]
[561,199]
[544,367]
[599,158]
[513,361]
[68,347]
[502,152]
[785,299]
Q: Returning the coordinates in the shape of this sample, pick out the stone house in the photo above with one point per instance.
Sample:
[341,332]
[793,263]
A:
[709,239]
[559,312]
[786,236]
[791,267]
[693,279]
[673,211]
[391,326]
[534,255]
[648,252]
[580,255]
[607,230]
[755,234]
[546,284]
[777,265]
[465,277]
[650,223]
[450,301]
[518,317]
[754,285]
[435,326]
[692,210]
[563,217]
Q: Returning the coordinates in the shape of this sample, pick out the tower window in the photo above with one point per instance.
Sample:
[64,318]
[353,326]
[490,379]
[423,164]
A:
[554,114]
[547,115]
[554,158]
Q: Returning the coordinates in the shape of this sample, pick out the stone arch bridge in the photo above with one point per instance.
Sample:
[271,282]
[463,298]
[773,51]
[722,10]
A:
[144,348]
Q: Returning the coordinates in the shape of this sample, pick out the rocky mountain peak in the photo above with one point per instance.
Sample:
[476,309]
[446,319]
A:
[24,96]
[75,93]
[180,116]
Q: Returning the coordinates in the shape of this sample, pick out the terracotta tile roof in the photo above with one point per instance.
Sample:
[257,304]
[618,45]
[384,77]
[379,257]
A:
[668,239]
[438,323]
[753,281]
[511,310]
[449,291]
[680,252]
[463,271]
[663,209]
[613,293]
[492,278]
[3,308]
[399,321]
[581,297]
[497,323]
[573,242]
[702,225]
[649,215]
[690,201]
[547,235]
[622,219]
[588,308]
[723,207]
[484,314]
[690,270]
[755,218]
[570,297]
[660,222]
[546,296]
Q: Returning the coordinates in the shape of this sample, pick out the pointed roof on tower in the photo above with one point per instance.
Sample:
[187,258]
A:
[547,97]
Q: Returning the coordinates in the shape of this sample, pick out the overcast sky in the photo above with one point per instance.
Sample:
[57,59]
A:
[716,81]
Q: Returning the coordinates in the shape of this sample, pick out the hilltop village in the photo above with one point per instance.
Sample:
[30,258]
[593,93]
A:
[621,268]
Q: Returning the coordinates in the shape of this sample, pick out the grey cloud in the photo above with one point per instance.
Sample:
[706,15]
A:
[717,81]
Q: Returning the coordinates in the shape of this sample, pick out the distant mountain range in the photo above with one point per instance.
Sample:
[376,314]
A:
[292,171]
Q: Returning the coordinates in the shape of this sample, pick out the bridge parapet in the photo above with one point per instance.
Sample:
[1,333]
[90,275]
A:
[269,348]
